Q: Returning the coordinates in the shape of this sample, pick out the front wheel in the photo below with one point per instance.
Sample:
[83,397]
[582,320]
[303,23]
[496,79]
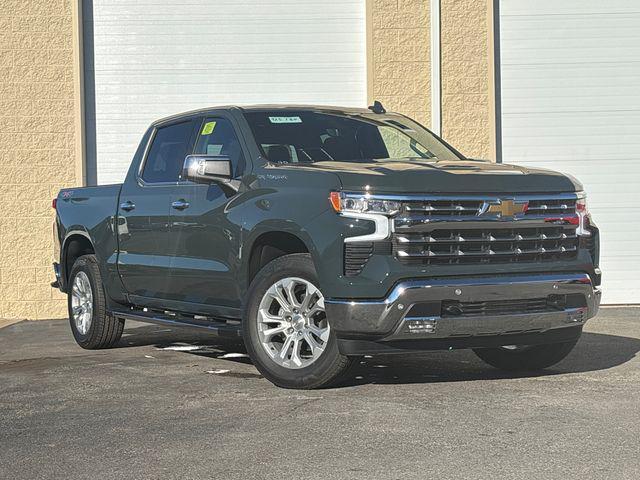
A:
[525,357]
[285,326]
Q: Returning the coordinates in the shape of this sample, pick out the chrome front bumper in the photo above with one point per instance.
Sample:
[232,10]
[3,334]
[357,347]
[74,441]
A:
[392,319]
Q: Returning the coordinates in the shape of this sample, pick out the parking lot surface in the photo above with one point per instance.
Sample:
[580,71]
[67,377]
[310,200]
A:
[177,404]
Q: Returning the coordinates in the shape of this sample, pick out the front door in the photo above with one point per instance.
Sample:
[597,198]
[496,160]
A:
[143,212]
[204,238]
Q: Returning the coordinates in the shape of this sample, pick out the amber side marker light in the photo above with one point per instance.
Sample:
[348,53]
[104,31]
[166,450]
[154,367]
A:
[334,198]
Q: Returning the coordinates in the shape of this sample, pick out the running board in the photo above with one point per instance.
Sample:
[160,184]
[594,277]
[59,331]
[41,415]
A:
[217,327]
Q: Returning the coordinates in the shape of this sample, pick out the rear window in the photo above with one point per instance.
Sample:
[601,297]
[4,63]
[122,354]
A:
[287,136]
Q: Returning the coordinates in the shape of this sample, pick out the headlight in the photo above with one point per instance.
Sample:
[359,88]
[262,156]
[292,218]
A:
[362,203]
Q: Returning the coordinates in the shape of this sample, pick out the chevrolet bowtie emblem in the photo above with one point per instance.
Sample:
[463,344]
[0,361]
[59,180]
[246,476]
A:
[504,208]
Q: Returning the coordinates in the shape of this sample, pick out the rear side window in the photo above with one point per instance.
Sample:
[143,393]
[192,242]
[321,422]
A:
[166,156]
[218,137]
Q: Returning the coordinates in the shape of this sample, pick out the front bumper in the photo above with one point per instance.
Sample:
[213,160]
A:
[411,316]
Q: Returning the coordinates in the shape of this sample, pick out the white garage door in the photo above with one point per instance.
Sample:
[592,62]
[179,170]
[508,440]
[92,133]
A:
[146,59]
[570,73]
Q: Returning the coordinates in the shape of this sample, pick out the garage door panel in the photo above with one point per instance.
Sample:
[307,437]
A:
[559,50]
[258,59]
[548,102]
[223,14]
[148,59]
[167,89]
[567,7]
[251,26]
[547,130]
[579,74]
[570,102]
[549,150]
[552,122]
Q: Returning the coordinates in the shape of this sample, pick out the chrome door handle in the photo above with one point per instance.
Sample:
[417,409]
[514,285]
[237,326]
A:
[180,204]
[127,206]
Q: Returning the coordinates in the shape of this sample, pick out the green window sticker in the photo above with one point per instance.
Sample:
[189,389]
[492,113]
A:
[208,128]
[285,119]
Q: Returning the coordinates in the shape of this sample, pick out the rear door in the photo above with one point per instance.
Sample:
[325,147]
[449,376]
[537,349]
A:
[143,213]
[204,237]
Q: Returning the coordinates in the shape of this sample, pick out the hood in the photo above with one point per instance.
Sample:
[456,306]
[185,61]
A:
[417,175]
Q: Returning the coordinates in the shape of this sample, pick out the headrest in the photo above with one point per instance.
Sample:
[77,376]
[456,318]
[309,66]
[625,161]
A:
[278,154]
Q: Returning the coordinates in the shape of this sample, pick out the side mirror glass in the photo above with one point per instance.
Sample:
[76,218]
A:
[206,168]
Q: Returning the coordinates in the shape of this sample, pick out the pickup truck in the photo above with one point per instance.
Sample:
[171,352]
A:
[320,234]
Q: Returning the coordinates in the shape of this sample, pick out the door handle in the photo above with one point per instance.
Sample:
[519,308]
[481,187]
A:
[180,204]
[127,206]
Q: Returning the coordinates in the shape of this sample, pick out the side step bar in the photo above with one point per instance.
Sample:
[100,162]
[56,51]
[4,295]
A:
[218,327]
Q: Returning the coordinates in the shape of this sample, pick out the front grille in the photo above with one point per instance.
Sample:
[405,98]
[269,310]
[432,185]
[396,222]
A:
[442,208]
[425,210]
[551,206]
[485,245]
[503,307]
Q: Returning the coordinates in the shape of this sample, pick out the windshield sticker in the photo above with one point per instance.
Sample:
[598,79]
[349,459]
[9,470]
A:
[285,119]
[208,128]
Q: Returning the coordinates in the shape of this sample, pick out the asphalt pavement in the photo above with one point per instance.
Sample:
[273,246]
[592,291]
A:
[176,404]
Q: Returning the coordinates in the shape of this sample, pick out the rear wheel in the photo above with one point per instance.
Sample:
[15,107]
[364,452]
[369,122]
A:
[525,357]
[286,330]
[92,326]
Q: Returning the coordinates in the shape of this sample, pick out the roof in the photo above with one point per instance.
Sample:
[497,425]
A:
[262,107]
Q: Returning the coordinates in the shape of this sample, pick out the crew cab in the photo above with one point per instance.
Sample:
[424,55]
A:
[320,234]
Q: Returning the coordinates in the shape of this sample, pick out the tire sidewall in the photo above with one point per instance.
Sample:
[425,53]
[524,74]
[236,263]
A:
[82,265]
[296,265]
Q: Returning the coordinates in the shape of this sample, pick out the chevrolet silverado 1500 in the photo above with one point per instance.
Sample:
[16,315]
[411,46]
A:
[321,234]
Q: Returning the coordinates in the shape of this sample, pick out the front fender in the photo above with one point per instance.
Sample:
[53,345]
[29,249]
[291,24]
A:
[274,225]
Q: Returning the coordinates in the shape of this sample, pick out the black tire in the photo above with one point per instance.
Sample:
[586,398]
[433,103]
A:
[527,358]
[327,368]
[104,330]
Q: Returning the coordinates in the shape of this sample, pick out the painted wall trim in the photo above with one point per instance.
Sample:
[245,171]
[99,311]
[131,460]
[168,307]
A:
[495,88]
[436,79]
[369,45]
[78,89]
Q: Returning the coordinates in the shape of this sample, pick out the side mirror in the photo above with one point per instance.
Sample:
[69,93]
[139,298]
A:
[206,168]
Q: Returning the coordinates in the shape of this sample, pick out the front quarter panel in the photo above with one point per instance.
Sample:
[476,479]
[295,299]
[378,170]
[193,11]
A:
[285,200]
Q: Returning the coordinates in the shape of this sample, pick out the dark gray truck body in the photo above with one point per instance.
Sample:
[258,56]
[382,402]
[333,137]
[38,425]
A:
[431,277]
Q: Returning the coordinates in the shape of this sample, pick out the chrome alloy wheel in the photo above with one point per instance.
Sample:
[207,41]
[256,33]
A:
[292,323]
[82,302]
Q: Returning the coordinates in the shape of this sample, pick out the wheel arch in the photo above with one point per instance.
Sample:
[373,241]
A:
[76,244]
[268,244]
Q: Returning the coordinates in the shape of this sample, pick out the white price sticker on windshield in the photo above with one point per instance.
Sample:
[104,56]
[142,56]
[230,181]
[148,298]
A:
[285,119]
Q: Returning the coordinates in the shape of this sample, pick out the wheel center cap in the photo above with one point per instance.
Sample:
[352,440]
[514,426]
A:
[297,322]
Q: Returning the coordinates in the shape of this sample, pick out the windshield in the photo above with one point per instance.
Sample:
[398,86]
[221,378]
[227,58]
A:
[306,136]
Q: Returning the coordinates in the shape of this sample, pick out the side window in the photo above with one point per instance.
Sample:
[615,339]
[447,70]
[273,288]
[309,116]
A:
[166,156]
[217,137]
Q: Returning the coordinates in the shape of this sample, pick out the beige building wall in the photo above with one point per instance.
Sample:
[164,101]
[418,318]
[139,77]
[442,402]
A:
[466,72]
[399,50]
[37,149]
[400,67]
